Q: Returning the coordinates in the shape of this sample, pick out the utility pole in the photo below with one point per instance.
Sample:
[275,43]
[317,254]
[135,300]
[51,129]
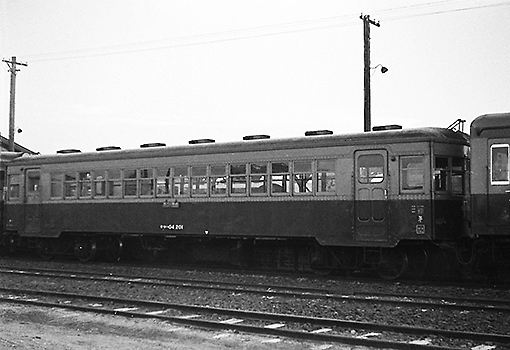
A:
[366,37]
[12,68]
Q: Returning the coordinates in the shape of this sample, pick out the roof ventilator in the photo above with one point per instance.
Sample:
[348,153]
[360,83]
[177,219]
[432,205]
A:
[108,148]
[318,133]
[68,151]
[256,137]
[200,141]
[387,127]
[155,144]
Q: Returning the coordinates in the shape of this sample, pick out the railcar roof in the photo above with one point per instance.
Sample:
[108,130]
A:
[367,138]
[489,122]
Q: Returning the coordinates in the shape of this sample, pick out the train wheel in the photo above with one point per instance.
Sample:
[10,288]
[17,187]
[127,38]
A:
[85,249]
[393,264]
[45,249]
[12,243]
[318,261]
[114,249]
[418,262]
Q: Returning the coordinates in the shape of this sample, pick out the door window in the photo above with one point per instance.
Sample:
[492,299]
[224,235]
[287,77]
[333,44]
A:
[33,178]
[371,168]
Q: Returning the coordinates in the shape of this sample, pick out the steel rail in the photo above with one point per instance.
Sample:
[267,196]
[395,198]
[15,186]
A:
[253,315]
[451,303]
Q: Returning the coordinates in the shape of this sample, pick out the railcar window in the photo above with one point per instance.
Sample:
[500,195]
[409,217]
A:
[280,178]
[457,174]
[164,179]
[303,177]
[441,174]
[181,181]
[199,180]
[499,164]
[146,182]
[238,179]
[33,179]
[412,174]
[130,183]
[85,184]
[70,185]
[99,185]
[114,183]
[56,185]
[218,180]
[258,179]
[371,168]
[326,173]
[449,174]
[14,183]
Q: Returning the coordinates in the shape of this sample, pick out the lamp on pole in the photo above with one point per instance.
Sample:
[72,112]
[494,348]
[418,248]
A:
[383,68]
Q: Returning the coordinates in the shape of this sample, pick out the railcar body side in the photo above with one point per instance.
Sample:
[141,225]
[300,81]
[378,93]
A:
[374,189]
[490,188]
[5,158]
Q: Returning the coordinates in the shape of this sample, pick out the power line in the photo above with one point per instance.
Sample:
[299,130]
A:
[438,12]
[256,32]
[200,39]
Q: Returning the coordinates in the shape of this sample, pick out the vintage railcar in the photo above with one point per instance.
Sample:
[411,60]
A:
[5,158]
[490,188]
[323,201]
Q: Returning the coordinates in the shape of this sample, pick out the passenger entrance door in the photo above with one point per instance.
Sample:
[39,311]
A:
[371,195]
[32,201]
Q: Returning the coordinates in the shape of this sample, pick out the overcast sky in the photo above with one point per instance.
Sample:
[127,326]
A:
[128,72]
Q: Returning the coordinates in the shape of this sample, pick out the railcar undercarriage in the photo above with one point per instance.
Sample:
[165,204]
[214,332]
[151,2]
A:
[408,259]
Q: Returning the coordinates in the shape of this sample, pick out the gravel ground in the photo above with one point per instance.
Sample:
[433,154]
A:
[473,321]
[23,327]
[479,322]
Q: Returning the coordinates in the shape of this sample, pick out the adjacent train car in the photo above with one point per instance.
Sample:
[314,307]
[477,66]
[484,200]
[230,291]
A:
[5,158]
[372,200]
[490,188]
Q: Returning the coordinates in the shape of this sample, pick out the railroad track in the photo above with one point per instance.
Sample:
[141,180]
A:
[296,327]
[409,300]
[304,327]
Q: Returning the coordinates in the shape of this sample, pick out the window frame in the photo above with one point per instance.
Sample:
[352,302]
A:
[286,178]
[146,176]
[14,184]
[255,173]
[450,173]
[295,181]
[84,183]
[164,176]
[240,177]
[101,182]
[184,184]
[56,182]
[114,185]
[330,178]
[199,180]
[497,182]
[216,176]
[405,170]
[70,184]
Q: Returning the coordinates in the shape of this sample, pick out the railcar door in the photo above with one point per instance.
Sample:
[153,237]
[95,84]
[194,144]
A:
[371,195]
[32,201]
